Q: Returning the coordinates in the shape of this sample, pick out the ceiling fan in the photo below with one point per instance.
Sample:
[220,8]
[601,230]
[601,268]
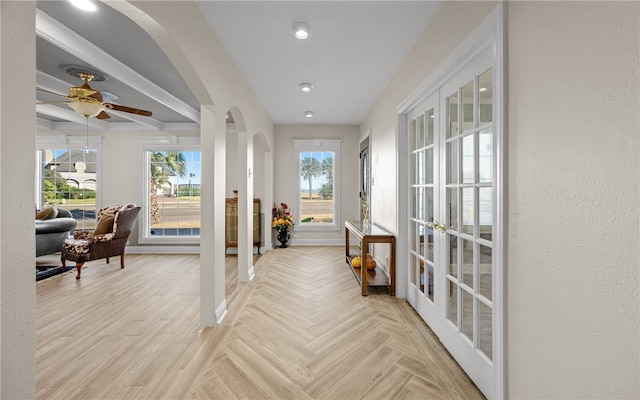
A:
[89,102]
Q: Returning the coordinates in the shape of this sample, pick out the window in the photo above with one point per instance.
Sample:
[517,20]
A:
[317,183]
[172,191]
[67,177]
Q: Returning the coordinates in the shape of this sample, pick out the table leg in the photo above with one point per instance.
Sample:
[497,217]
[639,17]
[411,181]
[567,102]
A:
[363,266]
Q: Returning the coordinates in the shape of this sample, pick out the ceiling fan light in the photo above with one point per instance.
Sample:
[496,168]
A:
[309,114]
[86,109]
[305,87]
[85,5]
[301,30]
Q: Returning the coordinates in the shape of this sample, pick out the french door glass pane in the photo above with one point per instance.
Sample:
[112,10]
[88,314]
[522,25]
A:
[452,308]
[420,164]
[415,274]
[467,210]
[484,271]
[453,255]
[467,314]
[413,231]
[429,203]
[452,112]
[485,156]
[467,106]
[414,202]
[421,213]
[413,165]
[430,118]
[467,262]
[485,84]
[485,336]
[485,202]
[421,132]
[467,159]
[429,164]
[452,204]
[430,285]
[452,161]
[414,134]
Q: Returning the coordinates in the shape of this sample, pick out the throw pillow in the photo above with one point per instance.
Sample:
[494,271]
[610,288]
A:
[62,213]
[105,225]
[47,213]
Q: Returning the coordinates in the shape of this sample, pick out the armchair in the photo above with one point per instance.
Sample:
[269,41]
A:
[108,240]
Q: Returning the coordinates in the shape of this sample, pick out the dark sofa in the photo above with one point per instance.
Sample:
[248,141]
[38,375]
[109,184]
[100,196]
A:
[50,233]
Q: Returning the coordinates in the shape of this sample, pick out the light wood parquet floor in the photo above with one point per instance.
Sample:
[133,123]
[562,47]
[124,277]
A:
[299,330]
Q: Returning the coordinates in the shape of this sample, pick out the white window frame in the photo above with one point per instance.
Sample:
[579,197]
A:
[317,145]
[61,142]
[161,143]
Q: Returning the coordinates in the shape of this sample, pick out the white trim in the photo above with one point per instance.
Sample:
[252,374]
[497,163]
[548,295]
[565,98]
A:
[302,145]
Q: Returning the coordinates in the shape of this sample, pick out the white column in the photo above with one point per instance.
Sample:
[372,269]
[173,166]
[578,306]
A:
[213,307]
[17,175]
[268,200]
[245,207]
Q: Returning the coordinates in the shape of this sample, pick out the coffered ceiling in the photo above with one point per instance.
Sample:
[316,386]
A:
[354,49]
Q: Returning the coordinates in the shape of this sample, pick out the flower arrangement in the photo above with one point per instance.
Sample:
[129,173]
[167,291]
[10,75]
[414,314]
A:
[282,218]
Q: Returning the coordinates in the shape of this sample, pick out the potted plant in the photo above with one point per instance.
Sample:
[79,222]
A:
[282,222]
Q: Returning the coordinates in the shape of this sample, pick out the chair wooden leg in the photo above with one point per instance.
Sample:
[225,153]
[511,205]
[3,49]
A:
[78,268]
[64,264]
[107,260]
[121,261]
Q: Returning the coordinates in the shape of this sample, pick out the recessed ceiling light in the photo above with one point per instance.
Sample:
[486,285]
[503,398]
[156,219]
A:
[301,30]
[85,5]
[305,87]
[309,114]
[483,89]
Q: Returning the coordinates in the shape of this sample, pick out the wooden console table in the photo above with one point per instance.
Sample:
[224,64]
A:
[368,234]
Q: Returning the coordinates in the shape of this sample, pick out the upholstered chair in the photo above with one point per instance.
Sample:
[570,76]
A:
[107,240]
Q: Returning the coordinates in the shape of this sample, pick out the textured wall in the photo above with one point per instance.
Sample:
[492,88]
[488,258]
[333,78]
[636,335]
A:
[17,172]
[573,316]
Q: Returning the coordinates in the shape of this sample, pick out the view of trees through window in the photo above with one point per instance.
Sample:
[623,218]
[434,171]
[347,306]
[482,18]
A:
[66,179]
[174,193]
[316,187]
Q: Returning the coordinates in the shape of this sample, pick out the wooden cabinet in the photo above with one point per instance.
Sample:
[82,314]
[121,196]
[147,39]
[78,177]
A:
[368,234]
[231,224]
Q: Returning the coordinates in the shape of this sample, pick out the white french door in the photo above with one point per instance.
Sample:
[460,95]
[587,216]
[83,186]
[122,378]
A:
[452,219]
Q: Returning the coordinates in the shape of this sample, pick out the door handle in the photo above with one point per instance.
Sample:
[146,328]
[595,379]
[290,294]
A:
[438,226]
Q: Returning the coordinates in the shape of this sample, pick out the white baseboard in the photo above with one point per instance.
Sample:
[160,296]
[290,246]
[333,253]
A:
[163,249]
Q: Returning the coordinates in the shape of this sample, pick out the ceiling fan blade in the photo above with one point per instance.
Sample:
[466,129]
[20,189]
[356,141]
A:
[103,115]
[96,96]
[50,92]
[128,109]
[108,96]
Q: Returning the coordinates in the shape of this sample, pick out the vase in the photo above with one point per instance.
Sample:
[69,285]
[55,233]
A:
[283,238]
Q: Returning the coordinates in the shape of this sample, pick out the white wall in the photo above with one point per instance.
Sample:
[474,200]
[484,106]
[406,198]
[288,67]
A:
[452,24]
[17,173]
[573,172]
[283,180]
[574,87]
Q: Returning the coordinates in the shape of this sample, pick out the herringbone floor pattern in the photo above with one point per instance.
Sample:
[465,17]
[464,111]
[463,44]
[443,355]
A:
[299,330]
[307,333]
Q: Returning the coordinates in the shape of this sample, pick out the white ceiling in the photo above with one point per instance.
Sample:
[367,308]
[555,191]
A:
[353,52]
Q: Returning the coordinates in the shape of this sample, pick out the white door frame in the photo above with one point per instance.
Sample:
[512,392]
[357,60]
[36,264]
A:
[489,34]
